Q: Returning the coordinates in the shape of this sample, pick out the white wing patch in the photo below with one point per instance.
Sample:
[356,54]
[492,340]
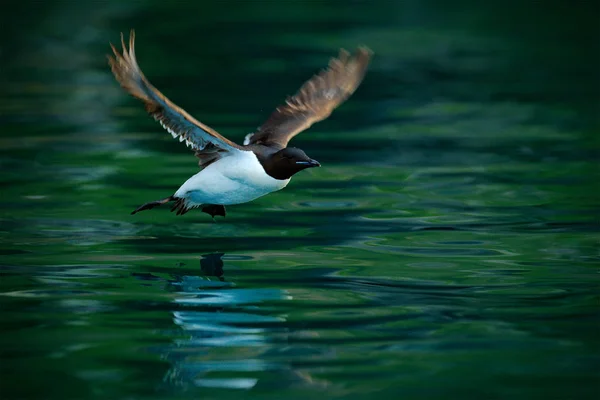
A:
[175,135]
[248,138]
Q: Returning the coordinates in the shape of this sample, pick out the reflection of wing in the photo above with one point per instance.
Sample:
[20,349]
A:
[209,144]
[315,100]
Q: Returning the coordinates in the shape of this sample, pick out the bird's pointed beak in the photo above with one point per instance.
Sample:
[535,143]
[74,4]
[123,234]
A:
[309,164]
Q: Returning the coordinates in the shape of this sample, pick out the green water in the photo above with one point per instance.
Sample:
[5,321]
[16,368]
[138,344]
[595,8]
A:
[448,247]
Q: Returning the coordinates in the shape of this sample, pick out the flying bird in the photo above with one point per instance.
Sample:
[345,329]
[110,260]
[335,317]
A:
[232,173]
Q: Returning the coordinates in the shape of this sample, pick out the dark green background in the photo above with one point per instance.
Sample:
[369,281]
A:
[448,248]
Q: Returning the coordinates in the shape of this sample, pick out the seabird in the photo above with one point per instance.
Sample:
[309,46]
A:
[232,173]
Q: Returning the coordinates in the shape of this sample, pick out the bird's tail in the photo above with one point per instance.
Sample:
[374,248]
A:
[181,206]
[152,204]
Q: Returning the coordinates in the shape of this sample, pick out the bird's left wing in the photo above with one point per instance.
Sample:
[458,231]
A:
[208,144]
[315,100]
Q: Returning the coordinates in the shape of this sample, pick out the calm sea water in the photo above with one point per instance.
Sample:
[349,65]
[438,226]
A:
[448,248]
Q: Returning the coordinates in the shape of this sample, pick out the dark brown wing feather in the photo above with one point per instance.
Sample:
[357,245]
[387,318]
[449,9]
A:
[315,100]
[209,145]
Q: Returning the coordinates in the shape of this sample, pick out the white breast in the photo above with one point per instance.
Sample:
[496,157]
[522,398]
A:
[234,179]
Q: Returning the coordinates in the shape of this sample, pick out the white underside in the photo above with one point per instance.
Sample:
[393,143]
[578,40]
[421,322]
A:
[235,179]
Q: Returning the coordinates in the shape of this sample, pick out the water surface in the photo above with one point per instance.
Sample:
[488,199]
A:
[448,248]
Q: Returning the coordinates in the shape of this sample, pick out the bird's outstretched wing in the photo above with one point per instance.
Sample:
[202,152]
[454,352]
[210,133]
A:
[315,100]
[208,144]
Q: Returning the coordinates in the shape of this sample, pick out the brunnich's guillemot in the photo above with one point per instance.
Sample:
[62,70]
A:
[230,173]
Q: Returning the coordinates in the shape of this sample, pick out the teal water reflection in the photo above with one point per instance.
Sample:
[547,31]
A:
[448,248]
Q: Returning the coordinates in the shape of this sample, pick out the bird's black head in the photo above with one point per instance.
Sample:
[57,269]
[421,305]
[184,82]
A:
[287,162]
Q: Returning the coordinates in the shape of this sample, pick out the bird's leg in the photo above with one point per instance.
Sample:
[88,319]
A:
[213,210]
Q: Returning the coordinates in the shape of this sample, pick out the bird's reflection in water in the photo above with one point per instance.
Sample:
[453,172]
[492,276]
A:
[227,332]
[212,265]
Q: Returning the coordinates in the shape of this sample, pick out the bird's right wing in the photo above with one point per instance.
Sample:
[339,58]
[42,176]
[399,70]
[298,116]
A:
[208,144]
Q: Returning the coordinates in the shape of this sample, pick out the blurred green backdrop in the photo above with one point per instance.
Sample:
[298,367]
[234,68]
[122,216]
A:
[448,248]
